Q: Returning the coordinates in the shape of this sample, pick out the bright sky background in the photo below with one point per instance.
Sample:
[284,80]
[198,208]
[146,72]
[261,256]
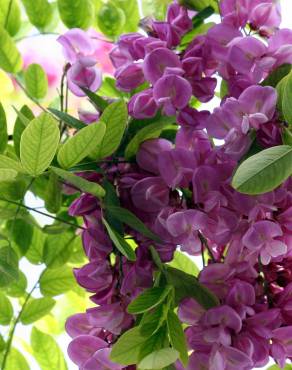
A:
[23,332]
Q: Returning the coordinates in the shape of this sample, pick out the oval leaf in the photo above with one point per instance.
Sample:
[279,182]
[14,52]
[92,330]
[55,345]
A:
[16,360]
[36,81]
[264,171]
[39,143]
[81,145]
[159,359]
[8,266]
[287,98]
[10,59]
[35,309]
[7,175]
[149,299]
[10,16]
[6,310]
[3,130]
[177,337]
[20,126]
[53,195]
[46,351]
[39,12]
[10,164]
[57,281]
[80,183]
[77,13]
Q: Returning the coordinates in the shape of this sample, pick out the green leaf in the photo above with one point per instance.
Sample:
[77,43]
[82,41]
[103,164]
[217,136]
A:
[188,286]
[46,351]
[69,120]
[35,309]
[108,88]
[80,183]
[21,232]
[149,132]
[81,144]
[16,361]
[10,16]
[131,11]
[177,337]
[155,8]
[111,19]
[148,299]
[8,266]
[7,175]
[287,136]
[127,349]
[39,12]
[189,36]
[276,367]
[10,164]
[276,76]
[199,4]
[6,310]
[36,81]
[57,281]
[10,59]
[9,210]
[13,190]
[115,118]
[155,342]
[287,98]
[19,127]
[111,199]
[120,243]
[182,262]
[152,321]
[127,217]
[264,171]
[96,100]
[38,145]
[3,130]
[57,249]
[17,288]
[53,195]
[35,251]
[159,359]
[77,14]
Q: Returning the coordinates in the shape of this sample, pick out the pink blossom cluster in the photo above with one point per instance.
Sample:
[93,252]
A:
[182,192]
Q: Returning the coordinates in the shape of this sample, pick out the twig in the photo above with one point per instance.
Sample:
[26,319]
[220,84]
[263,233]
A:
[36,35]
[205,244]
[28,95]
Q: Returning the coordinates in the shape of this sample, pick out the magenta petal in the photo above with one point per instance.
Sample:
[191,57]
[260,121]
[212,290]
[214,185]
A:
[100,361]
[83,347]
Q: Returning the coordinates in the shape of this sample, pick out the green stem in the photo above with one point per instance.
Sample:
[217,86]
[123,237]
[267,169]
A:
[28,95]
[16,321]
[43,213]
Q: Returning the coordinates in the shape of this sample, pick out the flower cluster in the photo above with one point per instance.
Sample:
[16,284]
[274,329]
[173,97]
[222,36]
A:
[182,191]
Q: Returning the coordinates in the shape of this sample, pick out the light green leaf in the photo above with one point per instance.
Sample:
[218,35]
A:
[6,310]
[53,195]
[57,281]
[111,19]
[3,130]
[115,118]
[19,126]
[80,183]
[9,210]
[10,164]
[127,217]
[148,299]
[188,286]
[36,81]
[39,143]
[149,132]
[99,102]
[77,14]
[46,351]
[177,337]
[57,249]
[120,243]
[287,98]
[152,321]
[81,144]
[18,287]
[276,367]
[35,309]
[264,171]
[16,361]
[182,262]
[69,120]
[35,251]
[155,8]
[10,59]
[39,12]
[199,4]
[7,175]
[8,266]
[159,359]
[131,11]
[10,16]
[13,190]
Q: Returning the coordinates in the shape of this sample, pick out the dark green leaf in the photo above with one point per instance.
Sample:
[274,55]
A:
[276,76]
[53,195]
[200,4]
[97,100]
[159,359]
[10,16]
[119,242]
[77,14]
[148,299]
[46,351]
[8,266]
[153,343]
[111,199]
[80,183]
[151,321]
[188,286]
[69,120]
[199,18]
[36,81]
[35,309]
[21,232]
[6,310]
[39,12]
[18,287]
[57,249]
[287,136]
[177,337]
[264,171]
[35,251]
[287,98]
[57,281]
[128,218]
[3,130]
[19,127]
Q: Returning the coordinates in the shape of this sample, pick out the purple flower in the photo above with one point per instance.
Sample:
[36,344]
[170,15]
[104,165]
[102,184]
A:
[142,105]
[129,76]
[178,17]
[84,74]
[88,116]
